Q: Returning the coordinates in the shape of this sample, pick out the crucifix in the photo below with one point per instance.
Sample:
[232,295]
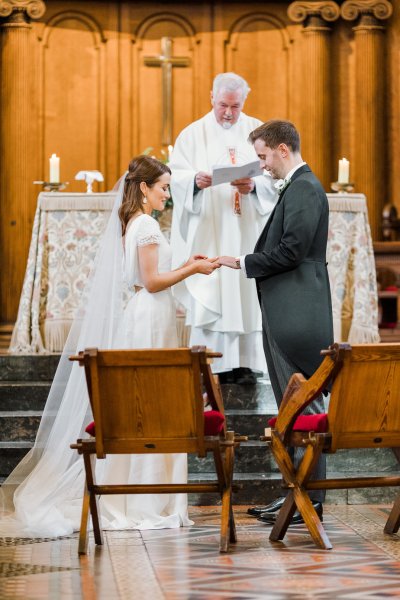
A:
[166,61]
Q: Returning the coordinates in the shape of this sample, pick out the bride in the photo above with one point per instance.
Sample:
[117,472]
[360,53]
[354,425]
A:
[43,495]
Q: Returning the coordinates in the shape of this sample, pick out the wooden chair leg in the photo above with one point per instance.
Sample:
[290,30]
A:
[90,464]
[393,522]
[283,519]
[94,507]
[311,519]
[232,526]
[299,497]
[84,529]
[229,465]
[225,472]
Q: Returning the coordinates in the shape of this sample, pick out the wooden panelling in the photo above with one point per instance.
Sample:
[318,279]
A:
[258,47]
[73,100]
[94,101]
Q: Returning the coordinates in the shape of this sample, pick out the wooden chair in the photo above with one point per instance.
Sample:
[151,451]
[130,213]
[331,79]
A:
[150,401]
[364,412]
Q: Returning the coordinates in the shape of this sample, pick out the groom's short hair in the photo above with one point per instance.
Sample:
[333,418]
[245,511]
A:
[275,132]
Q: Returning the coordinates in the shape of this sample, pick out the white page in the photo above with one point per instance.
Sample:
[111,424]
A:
[233,172]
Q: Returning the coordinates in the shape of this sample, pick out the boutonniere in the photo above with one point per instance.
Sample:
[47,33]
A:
[281,185]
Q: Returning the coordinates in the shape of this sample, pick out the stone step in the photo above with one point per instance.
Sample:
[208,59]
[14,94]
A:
[10,455]
[259,488]
[19,425]
[248,422]
[21,396]
[256,456]
[18,394]
[249,397]
[28,367]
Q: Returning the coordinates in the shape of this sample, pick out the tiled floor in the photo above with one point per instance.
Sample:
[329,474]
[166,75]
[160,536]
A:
[185,563]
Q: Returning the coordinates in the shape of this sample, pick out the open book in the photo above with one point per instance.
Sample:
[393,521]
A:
[226,174]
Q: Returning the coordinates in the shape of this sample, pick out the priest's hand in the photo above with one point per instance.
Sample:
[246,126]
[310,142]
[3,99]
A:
[244,186]
[203,180]
[228,261]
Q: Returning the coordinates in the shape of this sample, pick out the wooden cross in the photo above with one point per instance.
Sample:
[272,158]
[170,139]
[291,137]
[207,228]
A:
[166,61]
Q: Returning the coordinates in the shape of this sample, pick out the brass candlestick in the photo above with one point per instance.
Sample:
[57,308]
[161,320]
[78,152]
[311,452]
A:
[343,188]
[49,186]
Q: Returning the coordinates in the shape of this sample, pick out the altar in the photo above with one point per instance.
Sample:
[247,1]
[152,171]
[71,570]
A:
[65,236]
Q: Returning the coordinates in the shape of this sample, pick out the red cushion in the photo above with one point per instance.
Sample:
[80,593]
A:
[317,423]
[90,429]
[213,423]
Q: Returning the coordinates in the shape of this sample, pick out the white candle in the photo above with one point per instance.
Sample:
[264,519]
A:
[343,174]
[170,148]
[54,168]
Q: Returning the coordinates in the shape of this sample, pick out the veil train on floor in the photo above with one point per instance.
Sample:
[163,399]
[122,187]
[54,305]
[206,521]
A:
[42,496]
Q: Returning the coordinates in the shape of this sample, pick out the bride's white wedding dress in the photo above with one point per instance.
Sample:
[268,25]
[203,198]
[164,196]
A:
[149,321]
[42,497]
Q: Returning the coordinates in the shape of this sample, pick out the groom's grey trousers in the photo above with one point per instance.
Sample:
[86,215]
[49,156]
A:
[280,370]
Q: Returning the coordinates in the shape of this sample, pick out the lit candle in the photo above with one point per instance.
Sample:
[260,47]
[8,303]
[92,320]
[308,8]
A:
[54,168]
[343,175]
[170,148]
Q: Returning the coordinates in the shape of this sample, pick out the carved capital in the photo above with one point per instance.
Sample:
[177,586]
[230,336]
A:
[326,10]
[32,9]
[353,9]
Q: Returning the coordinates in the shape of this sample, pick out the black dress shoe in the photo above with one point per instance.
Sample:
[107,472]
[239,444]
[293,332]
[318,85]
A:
[297,519]
[256,511]
[244,376]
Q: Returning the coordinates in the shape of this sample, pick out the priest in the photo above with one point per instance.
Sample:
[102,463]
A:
[222,312]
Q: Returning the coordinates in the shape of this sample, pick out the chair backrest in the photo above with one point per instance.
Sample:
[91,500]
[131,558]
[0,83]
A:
[364,408]
[146,400]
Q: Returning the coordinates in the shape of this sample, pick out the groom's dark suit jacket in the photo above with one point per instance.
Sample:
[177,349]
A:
[289,265]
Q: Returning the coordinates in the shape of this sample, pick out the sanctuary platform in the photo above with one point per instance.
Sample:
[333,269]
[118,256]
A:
[183,564]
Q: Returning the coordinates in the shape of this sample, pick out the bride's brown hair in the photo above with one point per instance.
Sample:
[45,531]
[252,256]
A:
[142,168]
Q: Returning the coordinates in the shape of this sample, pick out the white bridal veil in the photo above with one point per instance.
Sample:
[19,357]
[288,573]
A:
[42,496]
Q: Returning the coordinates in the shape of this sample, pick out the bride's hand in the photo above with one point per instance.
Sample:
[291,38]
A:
[207,266]
[195,257]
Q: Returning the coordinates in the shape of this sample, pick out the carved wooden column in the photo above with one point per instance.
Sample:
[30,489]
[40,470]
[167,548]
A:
[316,128]
[370,122]
[17,148]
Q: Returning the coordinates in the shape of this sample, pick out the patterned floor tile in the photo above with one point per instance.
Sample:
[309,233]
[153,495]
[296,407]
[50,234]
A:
[185,564]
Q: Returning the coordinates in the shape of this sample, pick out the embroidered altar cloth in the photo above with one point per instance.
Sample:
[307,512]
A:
[65,236]
[351,268]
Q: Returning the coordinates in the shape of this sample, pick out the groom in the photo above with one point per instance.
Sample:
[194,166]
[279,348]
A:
[290,270]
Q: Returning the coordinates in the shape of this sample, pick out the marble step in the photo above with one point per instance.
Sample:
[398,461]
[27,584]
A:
[256,456]
[19,395]
[23,395]
[261,488]
[11,452]
[19,425]
[28,367]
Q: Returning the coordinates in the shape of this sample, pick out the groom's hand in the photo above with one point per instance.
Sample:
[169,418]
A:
[228,261]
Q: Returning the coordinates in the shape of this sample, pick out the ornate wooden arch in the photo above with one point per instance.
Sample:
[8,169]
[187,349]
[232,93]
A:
[89,22]
[245,20]
[165,17]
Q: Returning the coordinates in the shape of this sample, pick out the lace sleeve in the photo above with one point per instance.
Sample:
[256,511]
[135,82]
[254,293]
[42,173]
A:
[149,239]
[149,232]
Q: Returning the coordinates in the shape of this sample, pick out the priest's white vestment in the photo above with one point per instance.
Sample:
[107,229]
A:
[221,309]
